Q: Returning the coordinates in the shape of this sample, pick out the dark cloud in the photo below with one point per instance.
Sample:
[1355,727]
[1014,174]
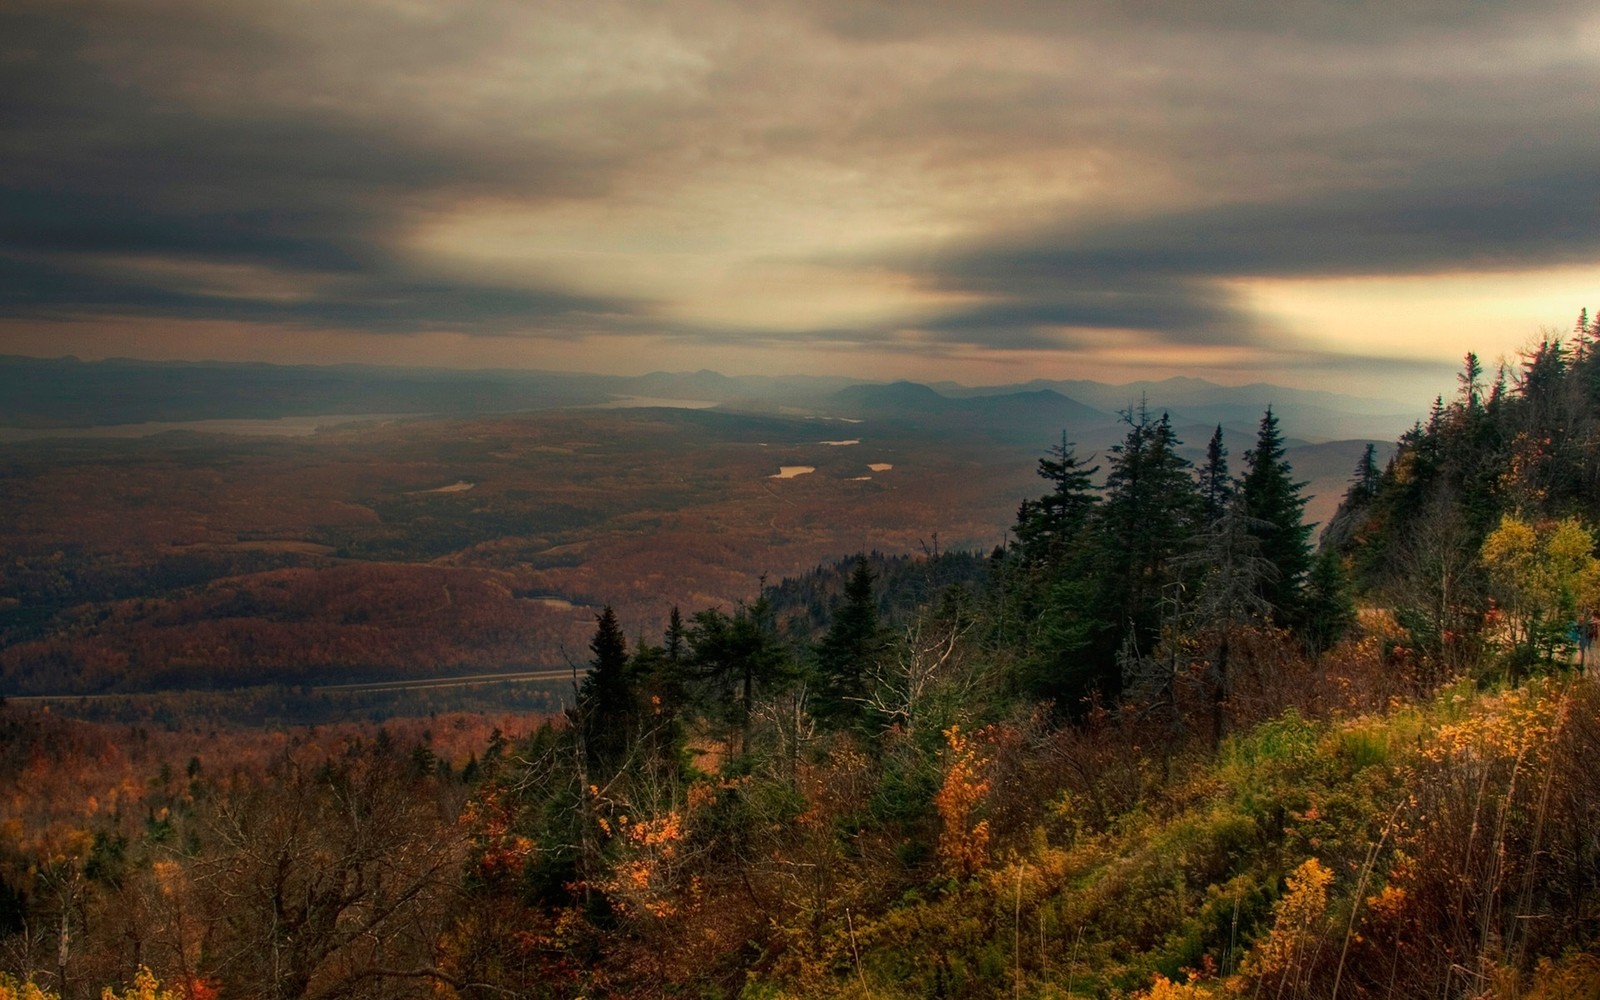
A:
[1157,152]
[1361,21]
[1164,274]
[95,166]
[1041,315]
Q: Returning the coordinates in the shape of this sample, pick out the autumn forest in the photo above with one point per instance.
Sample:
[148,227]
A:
[1162,736]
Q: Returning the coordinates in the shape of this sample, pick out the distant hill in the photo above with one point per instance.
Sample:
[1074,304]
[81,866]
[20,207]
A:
[67,392]
[1033,417]
[1305,413]
[1327,469]
[894,399]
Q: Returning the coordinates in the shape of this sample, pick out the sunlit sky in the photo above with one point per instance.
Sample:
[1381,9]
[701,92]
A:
[1339,195]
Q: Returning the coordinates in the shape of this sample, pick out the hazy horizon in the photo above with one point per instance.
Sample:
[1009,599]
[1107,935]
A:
[1354,395]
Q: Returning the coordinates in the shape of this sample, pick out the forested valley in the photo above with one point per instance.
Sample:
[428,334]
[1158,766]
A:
[1161,744]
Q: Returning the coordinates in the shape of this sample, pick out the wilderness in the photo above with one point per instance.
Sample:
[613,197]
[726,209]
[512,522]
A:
[1158,741]
[804,500]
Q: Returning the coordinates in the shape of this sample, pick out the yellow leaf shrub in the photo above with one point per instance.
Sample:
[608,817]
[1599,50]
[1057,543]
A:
[11,989]
[145,987]
[1296,932]
[963,844]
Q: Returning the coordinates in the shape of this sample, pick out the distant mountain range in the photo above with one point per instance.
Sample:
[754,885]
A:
[66,392]
[1014,416]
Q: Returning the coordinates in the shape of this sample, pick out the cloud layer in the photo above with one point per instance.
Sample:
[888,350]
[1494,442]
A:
[1067,179]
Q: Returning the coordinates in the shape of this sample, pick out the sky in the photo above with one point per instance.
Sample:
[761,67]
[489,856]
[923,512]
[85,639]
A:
[1339,195]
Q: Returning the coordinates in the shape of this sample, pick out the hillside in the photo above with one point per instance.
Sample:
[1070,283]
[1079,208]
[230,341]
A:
[424,547]
[1155,747]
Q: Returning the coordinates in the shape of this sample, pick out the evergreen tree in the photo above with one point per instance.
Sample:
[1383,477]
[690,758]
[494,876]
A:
[605,703]
[737,657]
[1365,481]
[1067,655]
[1356,507]
[1330,610]
[846,653]
[1273,502]
[1151,502]
[1471,382]
[1216,489]
[1497,391]
[658,683]
[675,640]
[1151,509]
[1046,526]
[668,667]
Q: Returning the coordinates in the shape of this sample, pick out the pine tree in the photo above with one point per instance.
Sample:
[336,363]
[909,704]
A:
[845,654]
[1330,611]
[1471,381]
[1273,501]
[737,657]
[604,700]
[1047,525]
[674,639]
[1215,487]
[1150,511]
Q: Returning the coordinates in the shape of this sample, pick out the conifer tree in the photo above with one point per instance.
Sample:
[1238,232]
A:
[1216,489]
[1151,501]
[1272,500]
[1356,507]
[658,694]
[1367,474]
[674,639]
[737,657]
[604,700]
[1330,610]
[671,675]
[1149,513]
[1047,525]
[845,654]
[1471,381]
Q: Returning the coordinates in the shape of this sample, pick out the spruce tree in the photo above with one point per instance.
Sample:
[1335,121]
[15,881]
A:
[737,657]
[1367,475]
[1215,487]
[846,653]
[1046,526]
[675,638]
[672,680]
[1330,610]
[1150,512]
[1151,501]
[1471,382]
[604,700]
[1355,509]
[1273,502]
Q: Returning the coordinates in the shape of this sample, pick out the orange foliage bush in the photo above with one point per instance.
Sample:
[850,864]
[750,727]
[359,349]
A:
[964,840]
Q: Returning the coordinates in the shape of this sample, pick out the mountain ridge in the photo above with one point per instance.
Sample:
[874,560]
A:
[70,392]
